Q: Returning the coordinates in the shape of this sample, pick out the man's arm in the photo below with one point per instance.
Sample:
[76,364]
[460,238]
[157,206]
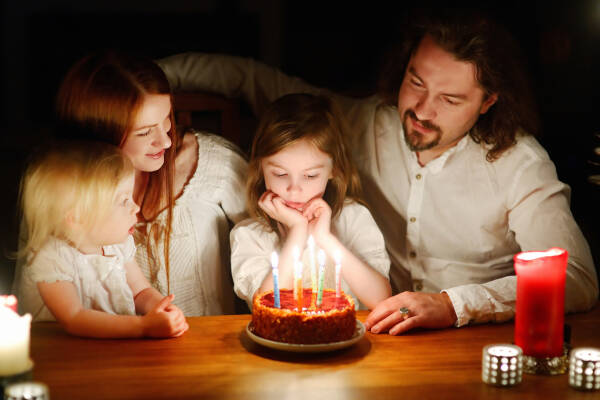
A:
[234,77]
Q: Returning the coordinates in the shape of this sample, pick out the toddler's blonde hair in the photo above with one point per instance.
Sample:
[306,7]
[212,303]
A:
[69,181]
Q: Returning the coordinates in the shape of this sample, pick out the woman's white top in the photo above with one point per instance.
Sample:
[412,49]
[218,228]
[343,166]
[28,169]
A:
[100,280]
[252,244]
[212,201]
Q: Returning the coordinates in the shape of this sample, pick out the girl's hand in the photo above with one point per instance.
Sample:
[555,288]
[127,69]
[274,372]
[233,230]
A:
[276,208]
[318,213]
[165,320]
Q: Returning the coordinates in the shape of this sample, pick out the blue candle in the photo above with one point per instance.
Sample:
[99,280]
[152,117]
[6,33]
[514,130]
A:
[274,263]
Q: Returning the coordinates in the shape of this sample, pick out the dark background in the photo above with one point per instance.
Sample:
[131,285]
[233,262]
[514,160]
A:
[340,45]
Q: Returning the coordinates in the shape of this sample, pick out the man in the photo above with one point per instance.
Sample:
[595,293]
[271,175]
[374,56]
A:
[452,175]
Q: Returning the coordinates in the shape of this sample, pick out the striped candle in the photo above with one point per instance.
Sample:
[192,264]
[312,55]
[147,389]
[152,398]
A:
[274,265]
[321,257]
[313,266]
[338,272]
[297,278]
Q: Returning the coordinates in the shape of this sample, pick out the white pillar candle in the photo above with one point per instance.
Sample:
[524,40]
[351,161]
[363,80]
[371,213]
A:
[14,342]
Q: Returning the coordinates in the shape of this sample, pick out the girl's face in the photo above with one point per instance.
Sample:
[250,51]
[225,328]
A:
[298,173]
[146,142]
[118,224]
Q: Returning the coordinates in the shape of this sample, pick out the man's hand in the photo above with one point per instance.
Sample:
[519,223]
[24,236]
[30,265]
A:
[426,310]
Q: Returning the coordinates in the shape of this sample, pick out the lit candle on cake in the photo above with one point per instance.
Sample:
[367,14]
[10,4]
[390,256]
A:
[274,265]
[297,277]
[14,342]
[539,316]
[321,257]
[337,255]
[313,266]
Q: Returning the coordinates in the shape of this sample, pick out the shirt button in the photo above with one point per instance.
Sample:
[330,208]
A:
[418,176]
[412,219]
[413,254]
[419,287]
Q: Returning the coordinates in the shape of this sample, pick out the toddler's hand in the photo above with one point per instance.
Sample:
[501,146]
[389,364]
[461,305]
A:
[276,208]
[318,214]
[165,320]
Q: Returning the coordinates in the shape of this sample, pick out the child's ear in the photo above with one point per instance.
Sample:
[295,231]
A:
[72,222]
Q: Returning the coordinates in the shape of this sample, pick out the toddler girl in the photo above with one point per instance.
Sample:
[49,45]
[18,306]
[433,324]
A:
[80,269]
[301,182]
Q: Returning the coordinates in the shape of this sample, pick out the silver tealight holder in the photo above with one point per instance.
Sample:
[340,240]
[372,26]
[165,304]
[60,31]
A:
[584,368]
[502,364]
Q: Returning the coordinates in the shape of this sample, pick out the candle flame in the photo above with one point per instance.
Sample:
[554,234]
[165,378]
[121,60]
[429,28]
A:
[532,255]
[311,242]
[337,256]
[274,260]
[321,257]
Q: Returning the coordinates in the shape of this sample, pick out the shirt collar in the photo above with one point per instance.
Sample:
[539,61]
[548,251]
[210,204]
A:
[437,164]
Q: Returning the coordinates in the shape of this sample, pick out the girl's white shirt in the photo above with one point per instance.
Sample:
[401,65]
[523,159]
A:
[100,280]
[252,244]
[211,202]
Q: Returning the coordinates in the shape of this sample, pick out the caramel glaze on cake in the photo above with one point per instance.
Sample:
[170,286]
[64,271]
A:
[334,321]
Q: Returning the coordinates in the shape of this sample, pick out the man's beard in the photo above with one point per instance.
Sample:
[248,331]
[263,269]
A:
[413,138]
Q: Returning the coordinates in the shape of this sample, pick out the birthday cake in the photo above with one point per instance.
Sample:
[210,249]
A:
[333,321]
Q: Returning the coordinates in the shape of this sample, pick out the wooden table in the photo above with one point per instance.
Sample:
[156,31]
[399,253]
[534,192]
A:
[215,359]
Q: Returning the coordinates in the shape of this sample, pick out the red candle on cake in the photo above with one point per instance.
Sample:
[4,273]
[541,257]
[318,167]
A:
[539,316]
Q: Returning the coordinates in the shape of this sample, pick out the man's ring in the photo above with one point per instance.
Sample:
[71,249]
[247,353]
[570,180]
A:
[404,312]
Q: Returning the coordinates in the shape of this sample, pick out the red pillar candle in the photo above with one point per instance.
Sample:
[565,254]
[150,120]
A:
[540,313]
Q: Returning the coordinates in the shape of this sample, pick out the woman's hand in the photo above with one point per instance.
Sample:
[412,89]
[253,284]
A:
[276,208]
[318,214]
[165,320]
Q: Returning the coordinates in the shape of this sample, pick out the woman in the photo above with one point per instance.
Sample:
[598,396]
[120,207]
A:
[189,187]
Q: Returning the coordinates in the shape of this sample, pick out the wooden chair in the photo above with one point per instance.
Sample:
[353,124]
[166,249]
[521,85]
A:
[208,111]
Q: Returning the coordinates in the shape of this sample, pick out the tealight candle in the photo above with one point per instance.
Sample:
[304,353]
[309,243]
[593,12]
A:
[584,368]
[321,257]
[502,364]
[14,342]
[274,266]
[337,255]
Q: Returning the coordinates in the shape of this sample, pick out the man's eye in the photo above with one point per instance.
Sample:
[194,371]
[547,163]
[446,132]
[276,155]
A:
[450,101]
[416,83]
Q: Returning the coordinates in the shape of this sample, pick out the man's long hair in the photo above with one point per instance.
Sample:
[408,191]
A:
[474,38]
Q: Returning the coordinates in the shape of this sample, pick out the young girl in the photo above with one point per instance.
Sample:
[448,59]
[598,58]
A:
[301,182]
[188,186]
[79,212]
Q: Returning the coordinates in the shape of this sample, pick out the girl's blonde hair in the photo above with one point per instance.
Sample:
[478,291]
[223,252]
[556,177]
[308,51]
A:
[296,117]
[71,180]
